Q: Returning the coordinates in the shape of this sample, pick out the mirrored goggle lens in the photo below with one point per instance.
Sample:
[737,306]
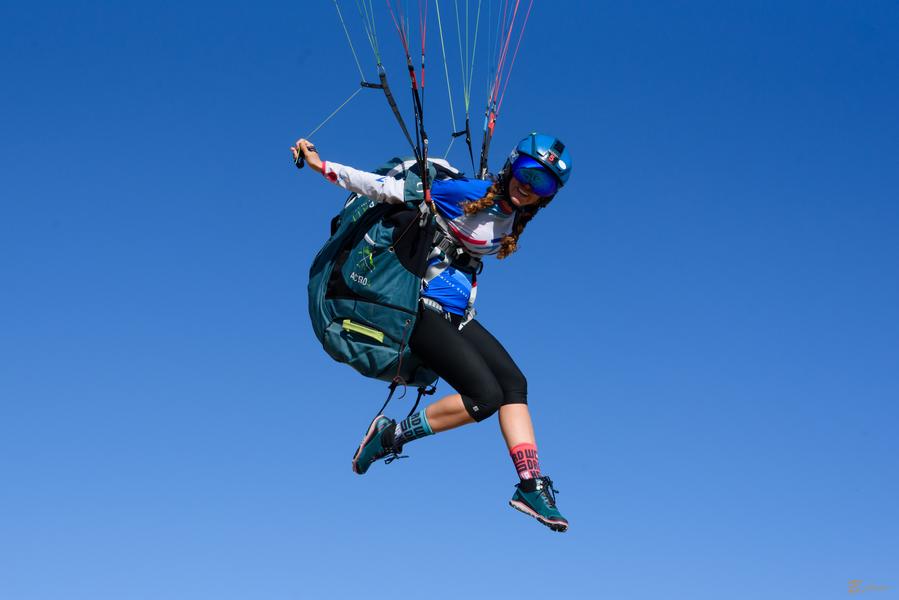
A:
[541,181]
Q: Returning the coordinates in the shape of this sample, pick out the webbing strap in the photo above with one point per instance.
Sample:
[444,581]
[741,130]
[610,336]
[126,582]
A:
[467,133]
[393,385]
[422,391]
[382,75]
[449,252]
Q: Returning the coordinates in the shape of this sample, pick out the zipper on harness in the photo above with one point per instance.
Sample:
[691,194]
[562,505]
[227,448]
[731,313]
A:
[367,331]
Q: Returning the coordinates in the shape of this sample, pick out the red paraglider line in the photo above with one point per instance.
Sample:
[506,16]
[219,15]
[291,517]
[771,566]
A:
[423,24]
[399,25]
[502,27]
[515,55]
[504,53]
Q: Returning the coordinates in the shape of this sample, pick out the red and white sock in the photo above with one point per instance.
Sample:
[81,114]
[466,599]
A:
[525,458]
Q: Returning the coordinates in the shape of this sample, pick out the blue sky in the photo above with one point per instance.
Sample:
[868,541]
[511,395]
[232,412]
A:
[707,314]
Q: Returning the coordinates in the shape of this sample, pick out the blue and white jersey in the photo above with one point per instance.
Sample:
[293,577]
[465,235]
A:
[480,234]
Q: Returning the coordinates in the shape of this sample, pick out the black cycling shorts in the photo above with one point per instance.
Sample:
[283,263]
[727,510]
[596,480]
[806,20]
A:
[472,361]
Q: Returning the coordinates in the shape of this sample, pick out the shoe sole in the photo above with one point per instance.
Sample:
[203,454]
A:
[559,526]
[372,431]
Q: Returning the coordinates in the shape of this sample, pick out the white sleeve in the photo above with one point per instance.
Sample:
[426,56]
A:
[376,187]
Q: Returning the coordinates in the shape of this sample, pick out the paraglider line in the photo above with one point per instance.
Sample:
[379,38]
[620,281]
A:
[346,31]
[322,124]
[514,56]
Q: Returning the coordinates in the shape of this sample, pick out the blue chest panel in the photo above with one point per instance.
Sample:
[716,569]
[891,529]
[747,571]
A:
[449,194]
[452,289]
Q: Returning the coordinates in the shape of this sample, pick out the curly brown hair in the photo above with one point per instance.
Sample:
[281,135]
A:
[509,243]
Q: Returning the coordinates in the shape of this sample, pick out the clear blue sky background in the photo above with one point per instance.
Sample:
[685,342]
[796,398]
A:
[707,315]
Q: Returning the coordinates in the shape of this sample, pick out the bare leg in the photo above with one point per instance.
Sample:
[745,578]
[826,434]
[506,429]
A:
[515,423]
[447,413]
[514,419]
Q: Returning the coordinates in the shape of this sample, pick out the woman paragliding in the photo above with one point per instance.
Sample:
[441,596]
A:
[477,218]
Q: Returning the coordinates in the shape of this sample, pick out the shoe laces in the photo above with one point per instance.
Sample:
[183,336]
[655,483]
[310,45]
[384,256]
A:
[547,490]
[392,456]
[394,452]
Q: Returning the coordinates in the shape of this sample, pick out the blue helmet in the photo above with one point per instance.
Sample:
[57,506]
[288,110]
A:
[548,151]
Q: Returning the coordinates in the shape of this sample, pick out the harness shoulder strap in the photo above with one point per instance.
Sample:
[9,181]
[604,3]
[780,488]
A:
[449,251]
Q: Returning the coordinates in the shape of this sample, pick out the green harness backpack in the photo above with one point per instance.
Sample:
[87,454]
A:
[365,282]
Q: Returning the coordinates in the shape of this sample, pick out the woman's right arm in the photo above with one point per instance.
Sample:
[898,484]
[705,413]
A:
[371,185]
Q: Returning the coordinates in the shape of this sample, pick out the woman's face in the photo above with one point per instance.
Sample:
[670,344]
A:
[521,194]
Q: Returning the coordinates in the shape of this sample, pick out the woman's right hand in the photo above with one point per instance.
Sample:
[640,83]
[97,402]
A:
[309,154]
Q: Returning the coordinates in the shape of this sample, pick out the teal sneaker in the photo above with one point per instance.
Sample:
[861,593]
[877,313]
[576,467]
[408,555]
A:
[536,497]
[372,448]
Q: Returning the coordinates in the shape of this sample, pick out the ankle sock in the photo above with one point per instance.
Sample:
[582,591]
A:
[411,428]
[525,458]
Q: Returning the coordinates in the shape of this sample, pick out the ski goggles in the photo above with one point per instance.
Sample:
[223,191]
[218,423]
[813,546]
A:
[527,170]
